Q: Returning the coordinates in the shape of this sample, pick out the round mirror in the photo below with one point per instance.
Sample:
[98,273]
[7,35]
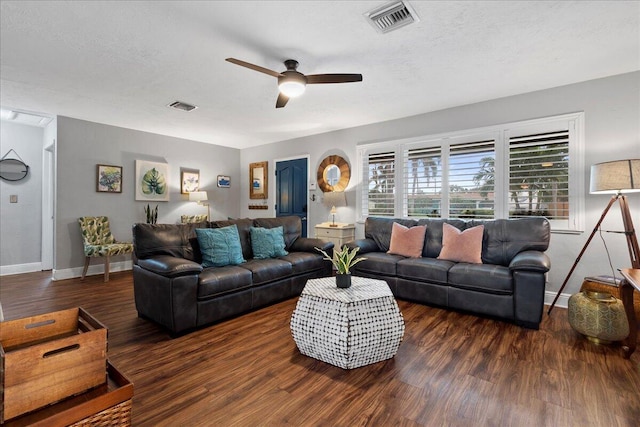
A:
[333,174]
[13,169]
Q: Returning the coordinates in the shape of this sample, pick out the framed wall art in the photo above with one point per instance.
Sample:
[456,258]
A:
[224,181]
[152,181]
[189,181]
[108,179]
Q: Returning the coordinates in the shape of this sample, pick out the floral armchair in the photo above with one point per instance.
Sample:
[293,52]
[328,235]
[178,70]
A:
[99,242]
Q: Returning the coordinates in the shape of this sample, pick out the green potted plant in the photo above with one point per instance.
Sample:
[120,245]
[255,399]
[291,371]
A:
[342,261]
[152,214]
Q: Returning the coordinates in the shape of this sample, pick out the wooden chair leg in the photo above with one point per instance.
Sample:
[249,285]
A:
[106,269]
[86,266]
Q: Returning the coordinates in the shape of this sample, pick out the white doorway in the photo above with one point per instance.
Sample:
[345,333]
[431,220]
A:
[48,204]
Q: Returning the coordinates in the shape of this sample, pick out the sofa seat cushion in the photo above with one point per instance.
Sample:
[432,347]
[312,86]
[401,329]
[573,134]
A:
[268,270]
[304,262]
[378,263]
[481,277]
[220,280]
[424,269]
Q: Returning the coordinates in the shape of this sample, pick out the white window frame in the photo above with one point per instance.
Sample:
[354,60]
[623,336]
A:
[574,122]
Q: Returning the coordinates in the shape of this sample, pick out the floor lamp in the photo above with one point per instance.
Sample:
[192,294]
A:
[617,177]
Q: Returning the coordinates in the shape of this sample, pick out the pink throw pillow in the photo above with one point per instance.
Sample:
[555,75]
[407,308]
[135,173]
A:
[462,246]
[407,241]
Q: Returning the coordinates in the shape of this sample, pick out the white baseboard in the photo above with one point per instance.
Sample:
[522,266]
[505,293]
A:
[563,299]
[70,273]
[5,270]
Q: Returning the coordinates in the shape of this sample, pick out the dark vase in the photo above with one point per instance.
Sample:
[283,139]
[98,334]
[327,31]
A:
[343,280]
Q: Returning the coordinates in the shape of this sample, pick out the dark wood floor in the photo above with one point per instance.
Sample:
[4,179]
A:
[451,369]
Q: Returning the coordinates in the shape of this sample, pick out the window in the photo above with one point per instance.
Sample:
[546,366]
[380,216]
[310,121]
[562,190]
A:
[516,170]
[423,181]
[380,197]
[472,180]
[539,175]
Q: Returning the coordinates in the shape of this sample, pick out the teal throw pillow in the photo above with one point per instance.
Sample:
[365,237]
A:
[267,242]
[220,246]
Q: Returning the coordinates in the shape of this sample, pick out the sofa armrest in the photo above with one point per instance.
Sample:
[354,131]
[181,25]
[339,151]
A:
[309,244]
[365,245]
[170,266]
[531,261]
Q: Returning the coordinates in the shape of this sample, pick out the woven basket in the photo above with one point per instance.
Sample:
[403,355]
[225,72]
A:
[115,416]
[595,284]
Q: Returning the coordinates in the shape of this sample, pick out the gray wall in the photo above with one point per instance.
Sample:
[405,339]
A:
[612,131]
[82,145]
[20,223]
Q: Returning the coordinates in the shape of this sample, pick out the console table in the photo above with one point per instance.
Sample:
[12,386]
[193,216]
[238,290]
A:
[631,280]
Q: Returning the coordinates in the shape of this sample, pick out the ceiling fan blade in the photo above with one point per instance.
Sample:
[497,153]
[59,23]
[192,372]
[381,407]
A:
[282,100]
[333,78]
[254,67]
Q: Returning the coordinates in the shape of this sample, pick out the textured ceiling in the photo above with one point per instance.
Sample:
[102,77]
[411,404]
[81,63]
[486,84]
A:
[121,63]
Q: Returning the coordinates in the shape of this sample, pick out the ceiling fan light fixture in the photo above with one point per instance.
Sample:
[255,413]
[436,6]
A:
[292,84]
[292,89]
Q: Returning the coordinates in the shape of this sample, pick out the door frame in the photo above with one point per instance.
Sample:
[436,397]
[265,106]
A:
[48,205]
[307,157]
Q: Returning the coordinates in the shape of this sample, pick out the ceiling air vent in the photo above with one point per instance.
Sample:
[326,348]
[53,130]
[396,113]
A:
[182,106]
[392,16]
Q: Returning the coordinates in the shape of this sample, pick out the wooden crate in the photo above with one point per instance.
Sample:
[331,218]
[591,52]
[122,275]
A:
[49,357]
[108,405]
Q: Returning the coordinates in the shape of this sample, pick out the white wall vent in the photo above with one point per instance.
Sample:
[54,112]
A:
[182,106]
[392,16]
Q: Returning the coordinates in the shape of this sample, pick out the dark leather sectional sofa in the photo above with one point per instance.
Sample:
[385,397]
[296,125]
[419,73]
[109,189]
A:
[509,284]
[173,289]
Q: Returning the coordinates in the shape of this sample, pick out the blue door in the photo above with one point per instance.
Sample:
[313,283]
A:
[291,190]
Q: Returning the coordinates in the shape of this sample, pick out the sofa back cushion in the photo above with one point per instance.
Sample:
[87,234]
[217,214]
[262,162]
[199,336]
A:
[505,238]
[291,226]
[379,229]
[165,239]
[433,239]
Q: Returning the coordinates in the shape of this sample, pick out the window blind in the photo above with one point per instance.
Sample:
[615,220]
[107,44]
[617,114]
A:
[423,182]
[472,180]
[380,197]
[539,175]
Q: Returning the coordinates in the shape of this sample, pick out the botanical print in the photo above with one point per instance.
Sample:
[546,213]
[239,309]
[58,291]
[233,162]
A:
[152,181]
[109,179]
[190,181]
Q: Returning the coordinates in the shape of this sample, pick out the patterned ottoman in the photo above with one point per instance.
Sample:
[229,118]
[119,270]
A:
[349,327]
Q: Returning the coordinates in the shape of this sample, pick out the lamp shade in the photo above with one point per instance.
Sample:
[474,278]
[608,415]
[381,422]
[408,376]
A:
[197,196]
[335,198]
[618,176]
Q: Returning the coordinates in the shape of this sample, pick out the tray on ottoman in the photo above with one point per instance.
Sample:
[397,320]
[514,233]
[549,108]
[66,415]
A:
[349,327]
[49,357]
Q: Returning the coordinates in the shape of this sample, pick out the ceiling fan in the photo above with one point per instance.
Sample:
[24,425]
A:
[292,83]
